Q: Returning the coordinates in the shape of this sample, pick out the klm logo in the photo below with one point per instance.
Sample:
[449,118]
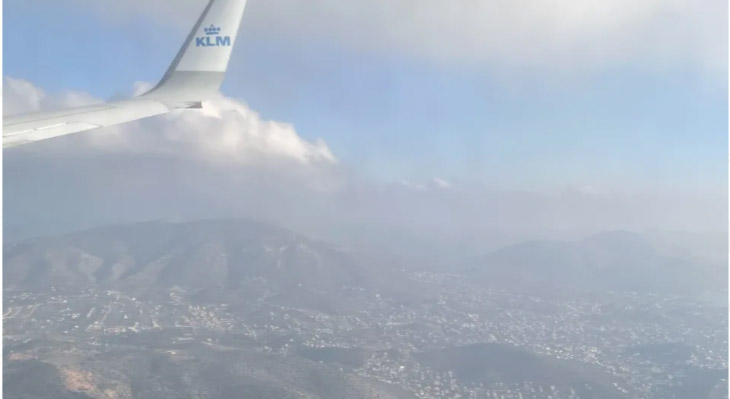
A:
[212,39]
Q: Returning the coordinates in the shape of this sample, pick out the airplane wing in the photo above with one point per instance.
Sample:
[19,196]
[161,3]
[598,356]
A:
[195,74]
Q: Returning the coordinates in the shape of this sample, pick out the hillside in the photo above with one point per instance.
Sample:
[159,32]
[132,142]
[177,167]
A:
[612,261]
[210,259]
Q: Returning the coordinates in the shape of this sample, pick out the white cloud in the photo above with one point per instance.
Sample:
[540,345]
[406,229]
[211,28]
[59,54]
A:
[408,185]
[139,88]
[225,130]
[440,183]
[435,183]
[21,96]
[554,34]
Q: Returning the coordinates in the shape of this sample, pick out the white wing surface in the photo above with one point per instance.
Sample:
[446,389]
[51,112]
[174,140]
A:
[196,73]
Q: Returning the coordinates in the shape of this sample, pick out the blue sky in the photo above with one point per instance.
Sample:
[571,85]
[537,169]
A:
[404,115]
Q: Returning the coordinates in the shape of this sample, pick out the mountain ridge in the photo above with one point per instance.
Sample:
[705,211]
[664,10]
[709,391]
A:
[212,257]
[615,260]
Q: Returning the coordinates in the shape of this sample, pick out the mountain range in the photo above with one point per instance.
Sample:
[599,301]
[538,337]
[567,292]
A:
[610,261]
[234,256]
[209,258]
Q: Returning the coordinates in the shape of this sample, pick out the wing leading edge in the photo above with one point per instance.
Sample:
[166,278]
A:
[195,74]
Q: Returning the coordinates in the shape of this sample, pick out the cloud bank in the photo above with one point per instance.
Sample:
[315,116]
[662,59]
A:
[546,34]
[228,161]
[21,96]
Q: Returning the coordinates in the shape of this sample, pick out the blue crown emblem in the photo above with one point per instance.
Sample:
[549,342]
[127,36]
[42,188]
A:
[212,30]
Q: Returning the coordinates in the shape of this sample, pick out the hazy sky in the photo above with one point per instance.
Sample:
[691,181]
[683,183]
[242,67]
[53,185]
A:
[622,101]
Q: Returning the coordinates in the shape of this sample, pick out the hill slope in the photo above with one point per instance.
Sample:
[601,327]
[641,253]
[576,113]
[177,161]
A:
[609,261]
[208,258]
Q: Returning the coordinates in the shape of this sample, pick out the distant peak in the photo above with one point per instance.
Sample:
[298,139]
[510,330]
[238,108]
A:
[619,240]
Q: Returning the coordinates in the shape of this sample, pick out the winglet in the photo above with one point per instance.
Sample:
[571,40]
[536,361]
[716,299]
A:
[198,70]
